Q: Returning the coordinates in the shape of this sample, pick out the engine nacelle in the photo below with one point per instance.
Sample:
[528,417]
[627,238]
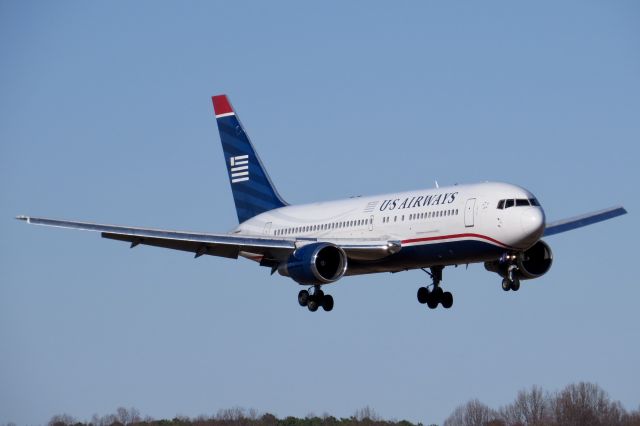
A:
[532,263]
[316,263]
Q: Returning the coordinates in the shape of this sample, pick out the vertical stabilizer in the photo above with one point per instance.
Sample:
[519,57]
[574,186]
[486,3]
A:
[253,191]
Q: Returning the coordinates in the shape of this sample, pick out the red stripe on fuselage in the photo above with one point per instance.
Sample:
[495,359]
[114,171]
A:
[449,237]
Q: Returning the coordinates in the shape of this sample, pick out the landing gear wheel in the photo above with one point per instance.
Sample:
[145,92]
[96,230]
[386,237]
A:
[506,284]
[312,304]
[515,285]
[303,298]
[432,300]
[423,295]
[318,295]
[447,300]
[437,295]
[327,302]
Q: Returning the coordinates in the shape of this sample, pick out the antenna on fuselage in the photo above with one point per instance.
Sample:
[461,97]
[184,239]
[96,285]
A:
[437,186]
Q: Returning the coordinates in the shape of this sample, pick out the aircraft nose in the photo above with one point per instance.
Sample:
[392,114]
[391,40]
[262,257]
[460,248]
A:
[532,221]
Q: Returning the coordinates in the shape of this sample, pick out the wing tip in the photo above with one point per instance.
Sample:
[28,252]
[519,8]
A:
[24,218]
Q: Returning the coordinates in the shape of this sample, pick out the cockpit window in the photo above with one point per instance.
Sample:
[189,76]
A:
[518,202]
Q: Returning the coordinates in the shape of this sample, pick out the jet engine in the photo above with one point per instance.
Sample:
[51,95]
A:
[532,263]
[315,264]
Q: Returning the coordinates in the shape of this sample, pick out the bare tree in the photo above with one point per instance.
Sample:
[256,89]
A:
[473,413]
[62,420]
[127,416]
[531,408]
[585,404]
[235,413]
[366,413]
[633,418]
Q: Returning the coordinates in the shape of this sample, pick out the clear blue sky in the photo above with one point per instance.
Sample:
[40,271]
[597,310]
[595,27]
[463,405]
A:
[105,115]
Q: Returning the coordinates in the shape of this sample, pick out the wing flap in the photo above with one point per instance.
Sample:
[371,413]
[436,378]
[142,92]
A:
[196,247]
[583,220]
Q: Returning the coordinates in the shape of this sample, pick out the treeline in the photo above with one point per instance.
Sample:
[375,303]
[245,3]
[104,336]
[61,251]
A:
[581,404]
[229,417]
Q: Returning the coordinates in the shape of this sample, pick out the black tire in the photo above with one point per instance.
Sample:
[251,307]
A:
[318,295]
[327,302]
[515,285]
[506,284]
[303,298]
[312,304]
[423,295]
[432,300]
[438,292]
[447,300]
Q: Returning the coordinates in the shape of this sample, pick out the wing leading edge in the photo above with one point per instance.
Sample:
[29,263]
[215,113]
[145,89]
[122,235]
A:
[583,220]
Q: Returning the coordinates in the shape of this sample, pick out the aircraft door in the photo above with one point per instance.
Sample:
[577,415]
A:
[469,212]
[371,223]
[267,228]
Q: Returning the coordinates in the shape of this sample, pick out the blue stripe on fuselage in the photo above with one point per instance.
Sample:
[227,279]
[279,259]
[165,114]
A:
[431,254]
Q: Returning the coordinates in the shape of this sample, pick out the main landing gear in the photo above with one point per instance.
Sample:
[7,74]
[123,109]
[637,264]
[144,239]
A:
[315,300]
[436,295]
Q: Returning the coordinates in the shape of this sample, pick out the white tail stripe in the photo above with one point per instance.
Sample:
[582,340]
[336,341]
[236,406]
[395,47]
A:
[240,159]
[226,114]
[239,168]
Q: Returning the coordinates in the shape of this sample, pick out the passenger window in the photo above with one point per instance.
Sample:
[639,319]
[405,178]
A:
[508,203]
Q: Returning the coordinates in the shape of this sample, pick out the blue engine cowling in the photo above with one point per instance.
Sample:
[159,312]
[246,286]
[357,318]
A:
[532,263]
[315,264]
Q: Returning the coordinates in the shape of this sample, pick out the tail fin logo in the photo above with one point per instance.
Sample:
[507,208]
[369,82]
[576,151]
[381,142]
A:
[239,168]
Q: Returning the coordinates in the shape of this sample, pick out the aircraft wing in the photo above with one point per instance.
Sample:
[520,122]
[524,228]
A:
[583,220]
[223,245]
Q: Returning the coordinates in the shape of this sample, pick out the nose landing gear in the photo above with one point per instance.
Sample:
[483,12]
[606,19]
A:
[436,295]
[315,300]
[511,281]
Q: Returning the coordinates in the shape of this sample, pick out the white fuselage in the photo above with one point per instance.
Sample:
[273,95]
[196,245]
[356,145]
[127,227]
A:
[448,225]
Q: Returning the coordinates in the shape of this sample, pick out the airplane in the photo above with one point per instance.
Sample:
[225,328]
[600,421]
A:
[498,224]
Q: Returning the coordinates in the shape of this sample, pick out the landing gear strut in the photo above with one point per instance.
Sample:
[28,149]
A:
[436,295]
[315,300]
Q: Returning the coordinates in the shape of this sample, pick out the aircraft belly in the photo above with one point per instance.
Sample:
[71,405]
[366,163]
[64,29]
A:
[426,255]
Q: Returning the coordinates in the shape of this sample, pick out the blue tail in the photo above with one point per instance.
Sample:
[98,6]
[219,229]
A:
[253,191]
